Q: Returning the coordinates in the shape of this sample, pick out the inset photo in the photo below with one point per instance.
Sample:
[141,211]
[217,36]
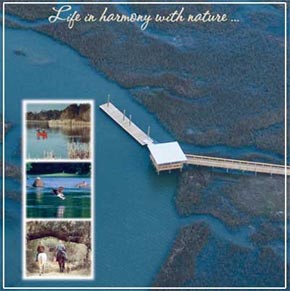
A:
[58,130]
[58,250]
[58,190]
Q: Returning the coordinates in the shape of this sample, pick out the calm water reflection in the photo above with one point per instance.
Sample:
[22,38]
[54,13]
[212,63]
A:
[58,141]
[41,203]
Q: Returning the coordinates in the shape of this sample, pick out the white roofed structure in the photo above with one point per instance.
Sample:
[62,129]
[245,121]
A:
[167,156]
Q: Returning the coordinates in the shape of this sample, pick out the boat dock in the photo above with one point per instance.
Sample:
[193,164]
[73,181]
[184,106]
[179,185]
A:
[169,156]
[126,123]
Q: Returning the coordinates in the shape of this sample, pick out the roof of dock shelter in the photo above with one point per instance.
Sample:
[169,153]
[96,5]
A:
[165,153]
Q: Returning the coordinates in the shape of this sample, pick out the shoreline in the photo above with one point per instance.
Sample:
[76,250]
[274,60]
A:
[60,123]
[187,96]
[60,175]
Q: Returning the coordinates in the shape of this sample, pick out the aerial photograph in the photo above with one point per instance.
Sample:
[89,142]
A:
[190,159]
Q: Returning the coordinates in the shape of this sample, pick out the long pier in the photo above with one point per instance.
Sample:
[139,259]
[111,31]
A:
[126,123]
[167,163]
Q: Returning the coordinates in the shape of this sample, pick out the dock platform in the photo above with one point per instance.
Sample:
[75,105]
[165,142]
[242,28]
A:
[168,156]
[119,117]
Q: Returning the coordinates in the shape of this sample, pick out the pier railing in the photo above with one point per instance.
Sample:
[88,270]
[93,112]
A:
[126,123]
[240,165]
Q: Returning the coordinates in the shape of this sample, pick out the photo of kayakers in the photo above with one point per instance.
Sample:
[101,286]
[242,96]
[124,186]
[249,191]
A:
[58,130]
[58,249]
[58,190]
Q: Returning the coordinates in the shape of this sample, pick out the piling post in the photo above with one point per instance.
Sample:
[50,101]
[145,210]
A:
[148,130]
[124,114]
[108,100]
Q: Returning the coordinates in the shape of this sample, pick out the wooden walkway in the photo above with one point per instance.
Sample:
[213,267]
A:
[140,136]
[237,165]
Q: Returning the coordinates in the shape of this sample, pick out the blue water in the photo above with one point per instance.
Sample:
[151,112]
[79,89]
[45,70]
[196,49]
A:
[56,143]
[135,218]
[41,203]
[127,242]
